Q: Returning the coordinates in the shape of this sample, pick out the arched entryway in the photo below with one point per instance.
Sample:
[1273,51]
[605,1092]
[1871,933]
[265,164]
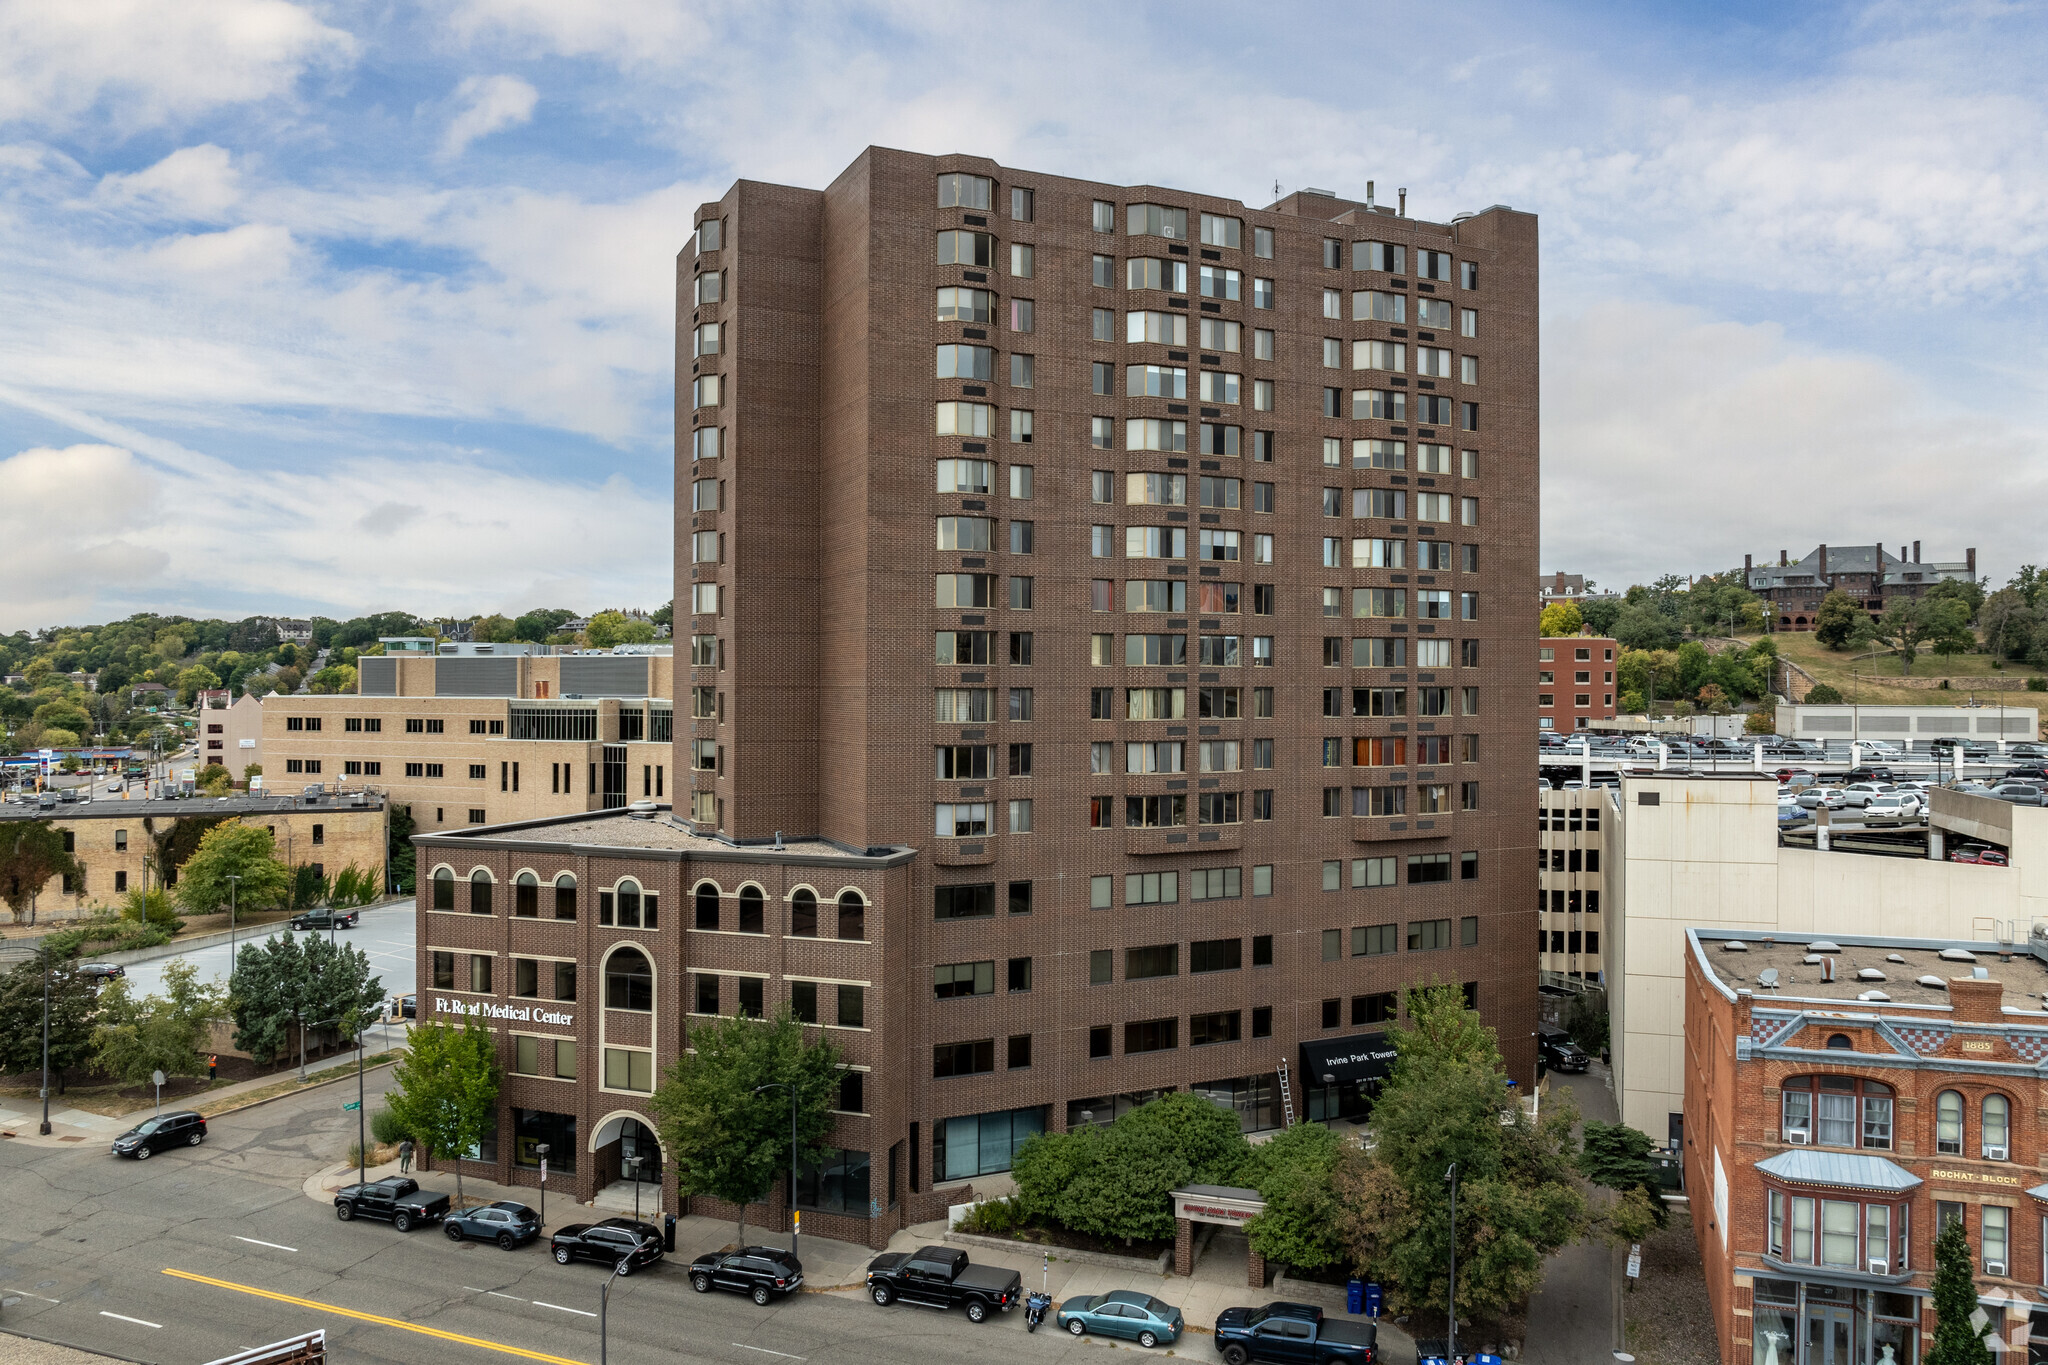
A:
[619,1139]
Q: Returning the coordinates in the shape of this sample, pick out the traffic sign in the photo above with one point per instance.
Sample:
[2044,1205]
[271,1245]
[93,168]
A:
[1635,1260]
[352,1104]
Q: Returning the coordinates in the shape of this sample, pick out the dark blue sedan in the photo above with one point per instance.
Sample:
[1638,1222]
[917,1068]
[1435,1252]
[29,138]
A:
[1125,1313]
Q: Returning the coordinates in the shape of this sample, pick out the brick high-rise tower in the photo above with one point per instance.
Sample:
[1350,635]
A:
[1157,568]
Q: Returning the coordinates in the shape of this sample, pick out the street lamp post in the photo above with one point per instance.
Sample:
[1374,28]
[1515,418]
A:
[785,1085]
[604,1300]
[45,1129]
[232,879]
[1451,1331]
[541,1150]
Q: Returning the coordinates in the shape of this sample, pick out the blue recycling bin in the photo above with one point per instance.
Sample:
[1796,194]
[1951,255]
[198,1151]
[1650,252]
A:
[1354,1296]
[1372,1300]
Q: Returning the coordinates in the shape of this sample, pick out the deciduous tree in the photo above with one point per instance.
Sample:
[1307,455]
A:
[1291,1171]
[447,1095]
[724,1139]
[1560,618]
[1448,1102]
[73,999]
[232,849]
[1834,625]
[137,1036]
[31,853]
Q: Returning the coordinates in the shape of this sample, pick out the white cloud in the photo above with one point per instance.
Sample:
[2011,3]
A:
[488,105]
[122,65]
[198,183]
[200,536]
[630,32]
[1674,442]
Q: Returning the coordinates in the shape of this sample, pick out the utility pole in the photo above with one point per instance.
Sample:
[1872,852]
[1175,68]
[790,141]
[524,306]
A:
[232,879]
[45,1129]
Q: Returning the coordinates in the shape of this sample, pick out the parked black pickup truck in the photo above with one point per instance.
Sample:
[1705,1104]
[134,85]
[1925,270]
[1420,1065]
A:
[396,1199]
[942,1277]
[1295,1333]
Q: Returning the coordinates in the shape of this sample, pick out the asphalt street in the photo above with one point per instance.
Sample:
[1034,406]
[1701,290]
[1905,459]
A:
[386,934]
[203,1251]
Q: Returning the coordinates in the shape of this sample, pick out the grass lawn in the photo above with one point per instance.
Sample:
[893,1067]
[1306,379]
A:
[1859,675]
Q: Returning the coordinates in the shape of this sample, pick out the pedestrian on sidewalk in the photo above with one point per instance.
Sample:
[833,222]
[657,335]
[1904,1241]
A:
[405,1156]
[212,1067]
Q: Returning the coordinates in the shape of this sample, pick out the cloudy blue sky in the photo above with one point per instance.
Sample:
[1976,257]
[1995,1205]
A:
[320,307]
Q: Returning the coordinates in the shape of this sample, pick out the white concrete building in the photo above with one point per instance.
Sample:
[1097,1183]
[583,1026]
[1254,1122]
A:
[1704,852]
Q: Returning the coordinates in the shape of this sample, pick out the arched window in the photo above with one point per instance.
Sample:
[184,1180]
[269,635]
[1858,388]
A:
[480,892]
[803,915]
[753,911]
[707,905]
[853,916]
[1997,1127]
[1838,1111]
[628,981]
[565,897]
[1840,1042]
[627,906]
[526,896]
[444,889]
[628,893]
[1948,1123]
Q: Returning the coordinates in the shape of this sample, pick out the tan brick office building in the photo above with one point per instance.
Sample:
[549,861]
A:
[122,845]
[482,738]
[1833,1126]
[1132,578]
[1571,885]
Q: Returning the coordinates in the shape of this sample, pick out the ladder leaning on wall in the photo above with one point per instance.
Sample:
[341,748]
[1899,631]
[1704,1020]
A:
[1286,1097]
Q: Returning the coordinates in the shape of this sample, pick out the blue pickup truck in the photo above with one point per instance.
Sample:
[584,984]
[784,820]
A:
[1293,1334]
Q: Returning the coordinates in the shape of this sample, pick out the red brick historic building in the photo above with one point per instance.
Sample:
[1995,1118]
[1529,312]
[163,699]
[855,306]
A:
[1843,1101]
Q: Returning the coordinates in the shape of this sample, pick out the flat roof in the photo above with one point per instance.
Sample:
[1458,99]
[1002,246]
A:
[618,833]
[2017,967]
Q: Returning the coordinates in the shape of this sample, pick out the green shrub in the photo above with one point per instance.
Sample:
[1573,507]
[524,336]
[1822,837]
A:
[2037,684]
[385,1127]
[995,1217]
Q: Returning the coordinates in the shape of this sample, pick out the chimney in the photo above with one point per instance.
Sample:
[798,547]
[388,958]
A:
[1404,200]
[1782,559]
[1902,554]
[1368,194]
[1822,574]
[1970,562]
[1976,1002]
[1745,568]
[1559,589]
[1916,552]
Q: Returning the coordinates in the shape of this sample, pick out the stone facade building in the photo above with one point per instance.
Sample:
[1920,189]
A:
[1869,574]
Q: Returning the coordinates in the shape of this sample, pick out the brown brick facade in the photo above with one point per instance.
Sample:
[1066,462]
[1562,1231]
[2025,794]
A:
[1078,982]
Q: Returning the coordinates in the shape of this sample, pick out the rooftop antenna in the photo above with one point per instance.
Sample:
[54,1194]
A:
[1276,188]
[1368,194]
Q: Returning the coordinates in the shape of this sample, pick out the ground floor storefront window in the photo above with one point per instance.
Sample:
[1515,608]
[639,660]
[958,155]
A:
[1797,1322]
[532,1127]
[833,1180]
[982,1144]
[1252,1097]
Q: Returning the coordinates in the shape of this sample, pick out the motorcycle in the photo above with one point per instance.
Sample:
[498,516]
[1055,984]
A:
[1035,1304]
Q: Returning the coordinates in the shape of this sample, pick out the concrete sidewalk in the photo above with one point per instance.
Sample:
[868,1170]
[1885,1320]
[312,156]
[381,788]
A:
[1575,1317]
[834,1267]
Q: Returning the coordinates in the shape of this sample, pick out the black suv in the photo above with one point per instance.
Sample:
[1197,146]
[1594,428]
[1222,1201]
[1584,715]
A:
[762,1272]
[612,1241]
[507,1223]
[326,919]
[179,1128]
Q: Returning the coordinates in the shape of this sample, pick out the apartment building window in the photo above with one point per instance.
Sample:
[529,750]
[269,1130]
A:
[1468,416]
[1021,424]
[1102,216]
[1468,274]
[1022,262]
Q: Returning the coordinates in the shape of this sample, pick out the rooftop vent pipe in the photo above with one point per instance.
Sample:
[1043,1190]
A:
[1404,201]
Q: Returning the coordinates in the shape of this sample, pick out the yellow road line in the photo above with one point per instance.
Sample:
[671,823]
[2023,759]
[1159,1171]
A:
[477,1342]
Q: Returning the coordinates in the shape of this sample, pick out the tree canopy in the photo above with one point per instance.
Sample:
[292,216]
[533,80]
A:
[73,1001]
[31,853]
[238,850]
[1448,1102]
[1958,1337]
[1560,618]
[1836,622]
[138,1036]
[447,1088]
[724,1139]
[1114,1181]
[286,978]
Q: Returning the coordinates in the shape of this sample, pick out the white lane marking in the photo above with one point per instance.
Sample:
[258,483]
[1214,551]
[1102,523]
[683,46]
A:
[137,1321]
[254,1243]
[766,1352]
[496,1295]
[44,1297]
[578,1311]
